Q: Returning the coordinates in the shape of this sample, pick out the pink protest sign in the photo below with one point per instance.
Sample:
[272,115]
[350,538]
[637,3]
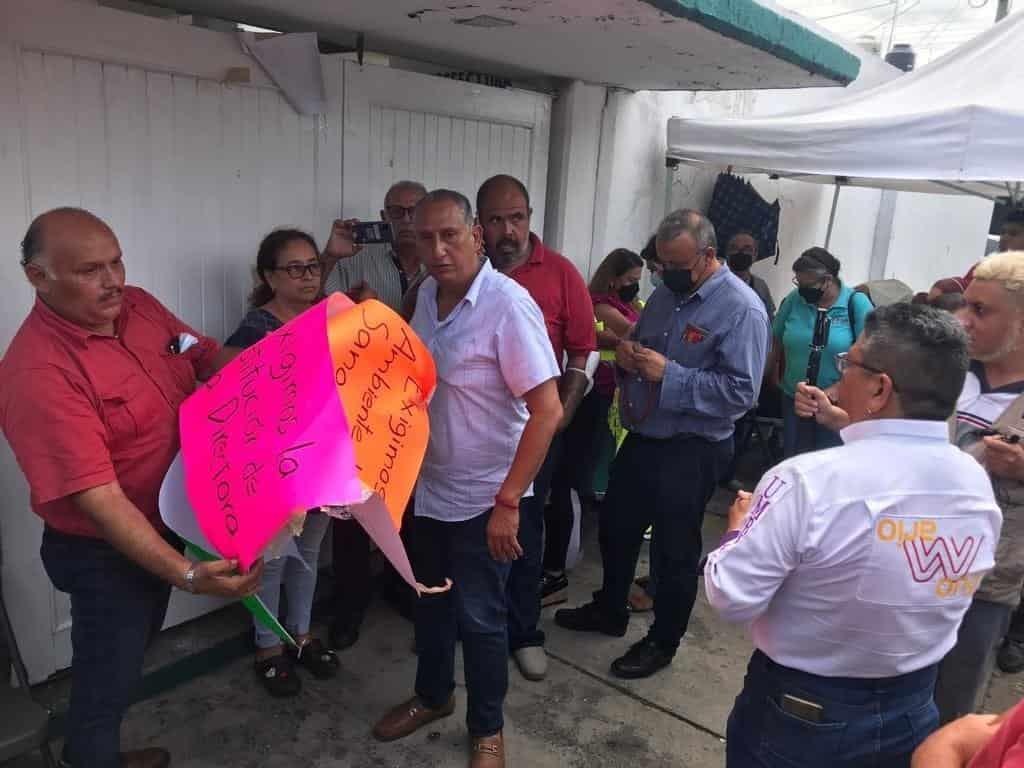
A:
[267,438]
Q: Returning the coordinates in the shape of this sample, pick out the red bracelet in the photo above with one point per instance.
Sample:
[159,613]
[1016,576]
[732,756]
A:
[499,502]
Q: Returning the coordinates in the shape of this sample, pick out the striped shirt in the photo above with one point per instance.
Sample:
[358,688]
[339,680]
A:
[377,266]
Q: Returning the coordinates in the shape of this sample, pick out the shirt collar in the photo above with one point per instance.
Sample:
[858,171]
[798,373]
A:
[74,332]
[712,284]
[925,430]
[486,270]
[537,250]
[1013,388]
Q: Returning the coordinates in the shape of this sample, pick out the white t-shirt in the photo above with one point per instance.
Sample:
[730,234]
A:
[491,350]
[980,406]
[860,561]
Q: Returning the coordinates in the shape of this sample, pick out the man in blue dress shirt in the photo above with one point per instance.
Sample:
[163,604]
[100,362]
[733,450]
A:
[692,368]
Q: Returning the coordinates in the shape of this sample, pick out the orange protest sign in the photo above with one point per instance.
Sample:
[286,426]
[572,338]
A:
[384,376]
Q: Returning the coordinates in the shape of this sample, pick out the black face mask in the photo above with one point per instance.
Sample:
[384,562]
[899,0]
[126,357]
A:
[811,293]
[679,281]
[741,262]
[628,293]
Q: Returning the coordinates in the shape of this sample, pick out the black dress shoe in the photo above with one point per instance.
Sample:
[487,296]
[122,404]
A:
[590,618]
[1011,657]
[642,660]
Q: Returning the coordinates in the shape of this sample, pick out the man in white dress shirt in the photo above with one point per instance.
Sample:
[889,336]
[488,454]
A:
[856,564]
[492,418]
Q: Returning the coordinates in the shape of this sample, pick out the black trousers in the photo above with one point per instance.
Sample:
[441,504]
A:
[586,439]
[667,484]
[353,579]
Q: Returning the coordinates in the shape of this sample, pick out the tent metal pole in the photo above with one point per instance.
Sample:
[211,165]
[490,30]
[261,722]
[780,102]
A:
[670,176]
[832,215]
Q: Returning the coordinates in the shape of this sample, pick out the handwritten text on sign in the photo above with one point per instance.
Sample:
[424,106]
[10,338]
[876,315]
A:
[384,376]
[267,437]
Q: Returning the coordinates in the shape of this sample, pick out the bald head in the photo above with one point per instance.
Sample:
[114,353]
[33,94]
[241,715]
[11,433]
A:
[73,260]
[60,226]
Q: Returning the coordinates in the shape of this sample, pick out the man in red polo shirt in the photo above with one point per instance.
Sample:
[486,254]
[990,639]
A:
[503,209]
[89,394]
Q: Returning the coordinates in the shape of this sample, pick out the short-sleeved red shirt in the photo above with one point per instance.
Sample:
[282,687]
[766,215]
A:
[558,288]
[81,409]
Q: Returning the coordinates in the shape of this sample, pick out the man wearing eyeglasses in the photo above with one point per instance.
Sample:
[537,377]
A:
[854,565]
[378,271]
[987,425]
[385,272]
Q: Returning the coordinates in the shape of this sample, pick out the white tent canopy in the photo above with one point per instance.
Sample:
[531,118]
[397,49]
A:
[955,125]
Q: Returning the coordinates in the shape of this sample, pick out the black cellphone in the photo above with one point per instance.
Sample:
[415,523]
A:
[801,708]
[366,232]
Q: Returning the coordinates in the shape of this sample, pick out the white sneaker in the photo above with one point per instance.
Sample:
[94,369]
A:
[532,662]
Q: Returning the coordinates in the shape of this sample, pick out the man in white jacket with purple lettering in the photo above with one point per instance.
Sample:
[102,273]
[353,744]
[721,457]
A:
[855,565]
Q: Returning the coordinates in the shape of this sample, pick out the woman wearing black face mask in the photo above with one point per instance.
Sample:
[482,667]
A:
[816,277]
[614,289]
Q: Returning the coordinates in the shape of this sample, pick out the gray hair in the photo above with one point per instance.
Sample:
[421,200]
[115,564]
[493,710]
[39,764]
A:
[694,223]
[405,184]
[449,196]
[927,348]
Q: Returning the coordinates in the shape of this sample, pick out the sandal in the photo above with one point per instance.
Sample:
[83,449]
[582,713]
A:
[278,676]
[320,660]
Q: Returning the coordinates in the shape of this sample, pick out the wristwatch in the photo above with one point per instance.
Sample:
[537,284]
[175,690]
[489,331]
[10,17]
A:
[190,578]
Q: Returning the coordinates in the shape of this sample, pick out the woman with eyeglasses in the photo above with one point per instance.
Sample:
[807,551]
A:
[855,565]
[817,284]
[288,275]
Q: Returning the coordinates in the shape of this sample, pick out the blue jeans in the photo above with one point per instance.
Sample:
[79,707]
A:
[823,437]
[864,723]
[473,610]
[299,582]
[524,579]
[117,607]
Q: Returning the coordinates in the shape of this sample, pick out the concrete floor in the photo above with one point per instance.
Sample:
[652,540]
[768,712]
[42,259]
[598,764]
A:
[578,716]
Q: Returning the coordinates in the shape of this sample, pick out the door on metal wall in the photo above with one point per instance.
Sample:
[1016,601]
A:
[443,133]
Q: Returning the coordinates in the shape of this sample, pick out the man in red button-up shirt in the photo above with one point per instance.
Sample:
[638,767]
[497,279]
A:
[89,394]
[503,209]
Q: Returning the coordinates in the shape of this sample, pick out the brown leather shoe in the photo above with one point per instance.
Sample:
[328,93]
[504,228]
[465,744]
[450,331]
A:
[146,758]
[488,752]
[409,716]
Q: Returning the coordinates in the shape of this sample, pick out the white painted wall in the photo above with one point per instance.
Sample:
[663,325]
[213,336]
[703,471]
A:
[630,190]
[936,236]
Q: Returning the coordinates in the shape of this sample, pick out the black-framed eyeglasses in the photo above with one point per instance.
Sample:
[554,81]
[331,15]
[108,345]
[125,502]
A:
[400,212]
[298,271]
[843,362]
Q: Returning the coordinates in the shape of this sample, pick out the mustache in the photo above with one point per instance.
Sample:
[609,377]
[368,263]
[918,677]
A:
[112,294]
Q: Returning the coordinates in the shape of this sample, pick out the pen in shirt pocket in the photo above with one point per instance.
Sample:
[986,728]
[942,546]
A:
[182,343]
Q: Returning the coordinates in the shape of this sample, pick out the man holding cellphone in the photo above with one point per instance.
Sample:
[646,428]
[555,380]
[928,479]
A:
[376,270]
[693,367]
[382,271]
